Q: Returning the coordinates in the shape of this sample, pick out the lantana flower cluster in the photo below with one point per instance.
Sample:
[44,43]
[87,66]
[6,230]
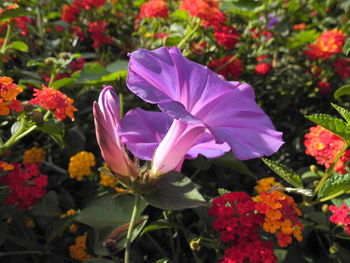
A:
[78,251]
[228,66]
[26,183]
[53,100]
[324,146]
[8,95]
[80,165]
[106,179]
[281,216]
[238,224]
[34,155]
[328,43]
[154,8]
[341,216]
[20,21]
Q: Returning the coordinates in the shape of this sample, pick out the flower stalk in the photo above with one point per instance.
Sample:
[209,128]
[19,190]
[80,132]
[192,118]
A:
[135,212]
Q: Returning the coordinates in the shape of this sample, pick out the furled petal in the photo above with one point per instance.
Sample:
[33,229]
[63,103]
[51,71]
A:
[174,146]
[142,131]
[192,93]
[106,117]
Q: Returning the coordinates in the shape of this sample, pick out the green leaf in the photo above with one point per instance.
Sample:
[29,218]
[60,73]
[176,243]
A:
[18,45]
[344,199]
[174,191]
[336,185]
[343,90]
[302,38]
[180,14]
[335,125]
[109,211]
[229,161]
[8,14]
[56,228]
[55,129]
[92,71]
[62,82]
[346,47]
[48,207]
[342,111]
[247,8]
[119,65]
[161,225]
[285,172]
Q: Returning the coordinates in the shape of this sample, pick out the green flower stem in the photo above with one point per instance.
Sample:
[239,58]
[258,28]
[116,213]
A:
[330,169]
[7,36]
[188,35]
[121,103]
[23,130]
[13,138]
[131,228]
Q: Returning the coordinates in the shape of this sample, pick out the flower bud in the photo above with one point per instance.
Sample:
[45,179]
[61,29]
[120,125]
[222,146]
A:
[333,249]
[194,244]
[50,61]
[313,168]
[324,208]
[37,117]
[27,106]
[64,55]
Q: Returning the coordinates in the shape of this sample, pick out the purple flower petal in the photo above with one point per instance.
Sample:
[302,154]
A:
[193,94]
[142,131]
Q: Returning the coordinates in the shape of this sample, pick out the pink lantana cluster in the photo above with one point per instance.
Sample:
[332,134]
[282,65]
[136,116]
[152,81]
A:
[341,216]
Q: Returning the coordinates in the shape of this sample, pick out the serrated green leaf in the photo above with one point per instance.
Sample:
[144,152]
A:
[8,14]
[335,125]
[285,172]
[336,185]
[343,90]
[18,45]
[174,191]
[55,129]
[342,111]
[302,38]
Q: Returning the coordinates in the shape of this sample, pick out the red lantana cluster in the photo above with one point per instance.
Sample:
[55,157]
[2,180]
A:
[341,216]
[8,94]
[328,43]
[97,29]
[342,67]
[54,100]
[27,185]
[154,8]
[20,22]
[227,68]
[324,87]
[70,12]
[238,224]
[208,10]
[324,146]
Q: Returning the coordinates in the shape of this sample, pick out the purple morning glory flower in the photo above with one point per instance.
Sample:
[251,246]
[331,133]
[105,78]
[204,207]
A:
[107,119]
[142,131]
[199,102]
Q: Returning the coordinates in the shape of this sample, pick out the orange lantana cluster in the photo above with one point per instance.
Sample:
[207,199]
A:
[324,146]
[8,94]
[328,43]
[154,8]
[281,216]
[265,184]
[54,100]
